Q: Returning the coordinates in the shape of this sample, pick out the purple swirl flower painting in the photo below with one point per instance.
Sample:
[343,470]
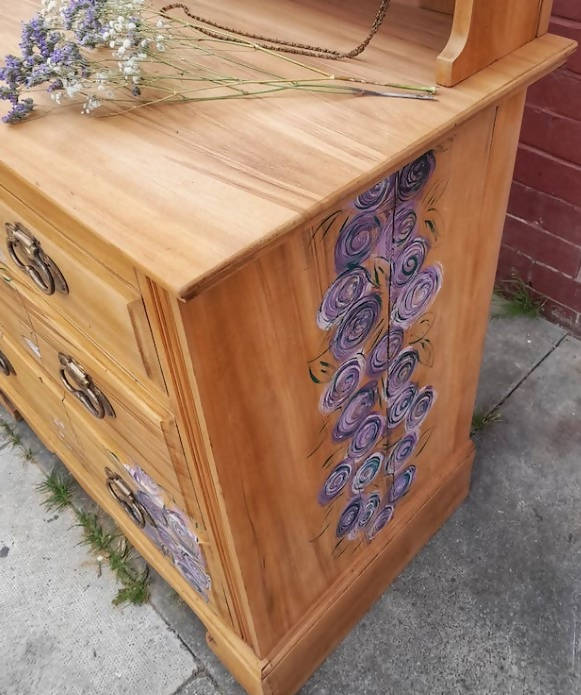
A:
[373,395]
[170,530]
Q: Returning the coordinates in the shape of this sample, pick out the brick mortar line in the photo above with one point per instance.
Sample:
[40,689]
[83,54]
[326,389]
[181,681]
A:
[539,228]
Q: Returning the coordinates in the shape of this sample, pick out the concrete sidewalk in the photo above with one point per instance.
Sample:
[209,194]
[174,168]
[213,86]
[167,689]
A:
[491,605]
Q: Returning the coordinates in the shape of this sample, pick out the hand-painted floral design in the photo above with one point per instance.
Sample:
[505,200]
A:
[375,311]
[171,530]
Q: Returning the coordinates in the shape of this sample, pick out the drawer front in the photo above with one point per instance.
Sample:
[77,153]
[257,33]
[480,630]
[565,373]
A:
[79,288]
[12,312]
[34,395]
[104,401]
[134,496]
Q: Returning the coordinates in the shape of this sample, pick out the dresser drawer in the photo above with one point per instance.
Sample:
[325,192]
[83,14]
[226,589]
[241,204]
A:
[34,396]
[78,287]
[12,312]
[104,400]
[132,494]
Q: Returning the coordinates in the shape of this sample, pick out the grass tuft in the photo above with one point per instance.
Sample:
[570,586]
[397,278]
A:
[57,491]
[481,420]
[519,300]
[106,545]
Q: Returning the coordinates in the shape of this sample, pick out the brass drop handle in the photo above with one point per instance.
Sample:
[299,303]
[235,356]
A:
[26,252]
[5,367]
[121,492]
[76,381]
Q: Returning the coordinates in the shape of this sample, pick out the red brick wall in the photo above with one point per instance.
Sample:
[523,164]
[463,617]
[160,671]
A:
[542,234]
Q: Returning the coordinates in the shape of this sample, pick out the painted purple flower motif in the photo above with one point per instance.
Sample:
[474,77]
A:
[153,507]
[145,482]
[357,239]
[409,261]
[420,408]
[192,571]
[370,507]
[401,370]
[399,405]
[166,543]
[404,226]
[417,296]
[355,412]
[385,350]
[367,472]
[413,177]
[350,516]
[377,196]
[343,384]
[356,326]
[402,484]
[341,295]
[178,525]
[336,482]
[382,518]
[400,452]
[367,435]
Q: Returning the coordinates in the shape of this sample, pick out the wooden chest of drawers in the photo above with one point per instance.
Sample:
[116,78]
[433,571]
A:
[253,332]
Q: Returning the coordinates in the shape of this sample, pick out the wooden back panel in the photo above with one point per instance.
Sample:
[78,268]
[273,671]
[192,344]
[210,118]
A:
[485,30]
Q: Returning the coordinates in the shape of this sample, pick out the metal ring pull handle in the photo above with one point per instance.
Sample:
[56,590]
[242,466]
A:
[121,492]
[5,367]
[76,380]
[26,252]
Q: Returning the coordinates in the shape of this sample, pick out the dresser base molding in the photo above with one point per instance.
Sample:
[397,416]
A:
[331,619]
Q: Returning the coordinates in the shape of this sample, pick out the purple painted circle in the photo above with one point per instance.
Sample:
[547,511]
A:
[420,408]
[356,326]
[350,516]
[401,452]
[153,507]
[342,294]
[377,196]
[413,177]
[336,482]
[366,437]
[404,226]
[385,350]
[343,384]
[355,411]
[367,472]
[192,571]
[370,507]
[409,262]
[401,370]
[382,518]
[400,404]
[357,239]
[402,484]
[417,296]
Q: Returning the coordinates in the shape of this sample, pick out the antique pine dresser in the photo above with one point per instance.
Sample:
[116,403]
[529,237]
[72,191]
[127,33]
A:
[253,329]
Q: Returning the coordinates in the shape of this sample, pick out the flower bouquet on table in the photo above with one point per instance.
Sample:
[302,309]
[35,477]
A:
[129,53]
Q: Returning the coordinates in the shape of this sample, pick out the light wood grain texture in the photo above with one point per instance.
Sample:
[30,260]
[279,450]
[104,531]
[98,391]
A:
[482,32]
[97,302]
[545,16]
[139,426]
[35,397]
[241,333]
[199,241]
[158,186]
